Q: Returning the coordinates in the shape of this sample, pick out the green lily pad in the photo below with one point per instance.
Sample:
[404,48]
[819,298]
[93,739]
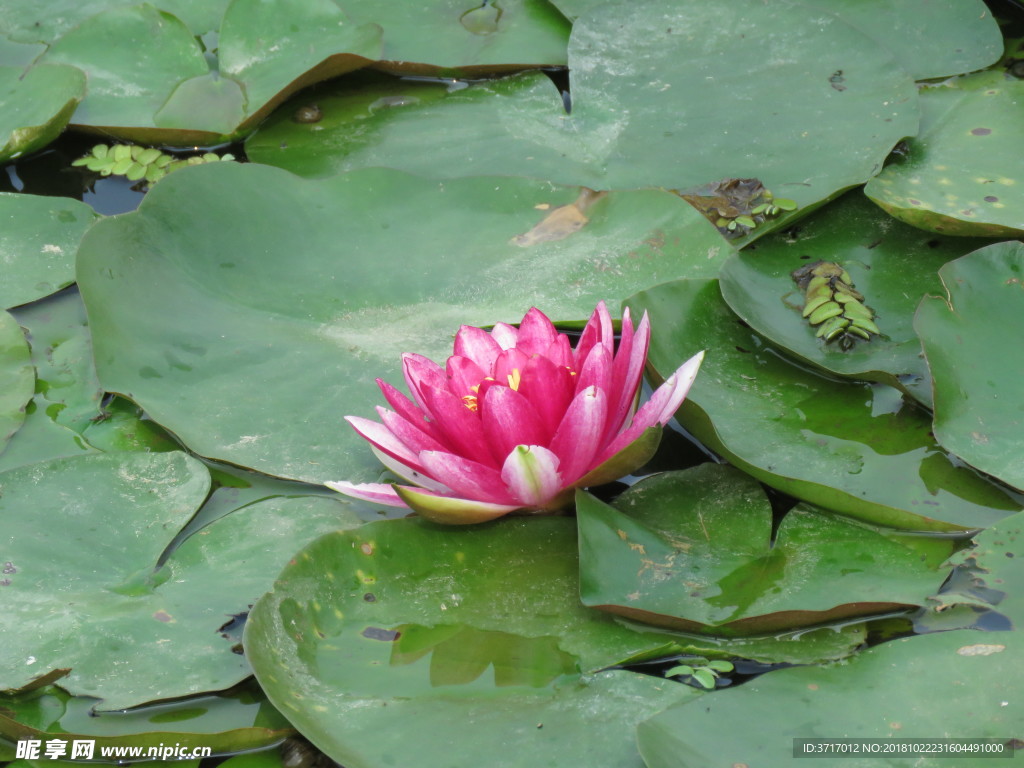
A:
[962,174]
[295,309]
[321,43]
[928,40]
[41,235]
[851,448]
[118,512]
[994,571]
[977,377]
[27,21]
[913,688]
[35,105]
[892,265]
[694,551]
[655,86]
[237,720]
[14,54]
[17,377]
[123,93]
[467,38]
[68,415]
[410,626]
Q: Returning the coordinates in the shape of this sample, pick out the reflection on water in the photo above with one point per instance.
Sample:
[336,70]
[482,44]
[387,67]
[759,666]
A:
[459,655]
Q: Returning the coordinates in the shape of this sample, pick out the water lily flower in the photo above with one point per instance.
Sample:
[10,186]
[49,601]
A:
[517,419]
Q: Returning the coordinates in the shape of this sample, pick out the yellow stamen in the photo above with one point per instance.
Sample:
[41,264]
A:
[513,379]
[470,401]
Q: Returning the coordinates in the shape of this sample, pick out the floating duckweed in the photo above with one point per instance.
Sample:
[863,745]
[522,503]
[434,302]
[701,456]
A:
[140,163]
[832,304]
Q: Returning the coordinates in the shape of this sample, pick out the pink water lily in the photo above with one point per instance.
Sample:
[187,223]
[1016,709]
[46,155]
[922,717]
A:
[517,419]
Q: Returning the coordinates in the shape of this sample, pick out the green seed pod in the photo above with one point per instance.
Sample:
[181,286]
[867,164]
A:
[824,312]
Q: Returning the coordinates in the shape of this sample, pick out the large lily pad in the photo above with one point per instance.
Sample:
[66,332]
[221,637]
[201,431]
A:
[962,174]
[928,40]
[977,369]
[37,248]
[852,448]
[116,514]
[124,90]
[321,43]
[695,551]
[467,37]
[17,378]
[425,631]
[912,688]
[238,720]
[286,311]
[35,105]
[892,265]
[655,86]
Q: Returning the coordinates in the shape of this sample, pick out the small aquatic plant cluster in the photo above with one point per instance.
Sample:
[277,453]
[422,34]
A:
[700,672]
[517,418]
[832,304]
[141,163]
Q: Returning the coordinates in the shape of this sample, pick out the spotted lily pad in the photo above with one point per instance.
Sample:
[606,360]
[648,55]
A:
[300,308]
[892,265]
[35,105]
[37,248]
[961,174]
[695,551]
[852,448]
[977,375]
[903,689]
[117,513]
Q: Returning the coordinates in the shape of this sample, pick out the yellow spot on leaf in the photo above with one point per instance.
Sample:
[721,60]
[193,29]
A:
[561,222]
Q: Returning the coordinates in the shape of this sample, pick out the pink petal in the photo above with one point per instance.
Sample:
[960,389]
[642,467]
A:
[597,370]
[468,479]
[531,473]
[598,330]
[377,493]
[509,420]
[407,473]
[559,352]
[578,437]
[536,333]
[549,387]
[627,372]
[508,361]
[406,408]
[660,408]
[421,372]
[464,375]
[477,345]
[459,427]
[505,335]
[448,510]
[411,435]
[383,438]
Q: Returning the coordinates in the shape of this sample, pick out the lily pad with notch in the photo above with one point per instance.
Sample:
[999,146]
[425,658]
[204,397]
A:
[694,551]
[856,449]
